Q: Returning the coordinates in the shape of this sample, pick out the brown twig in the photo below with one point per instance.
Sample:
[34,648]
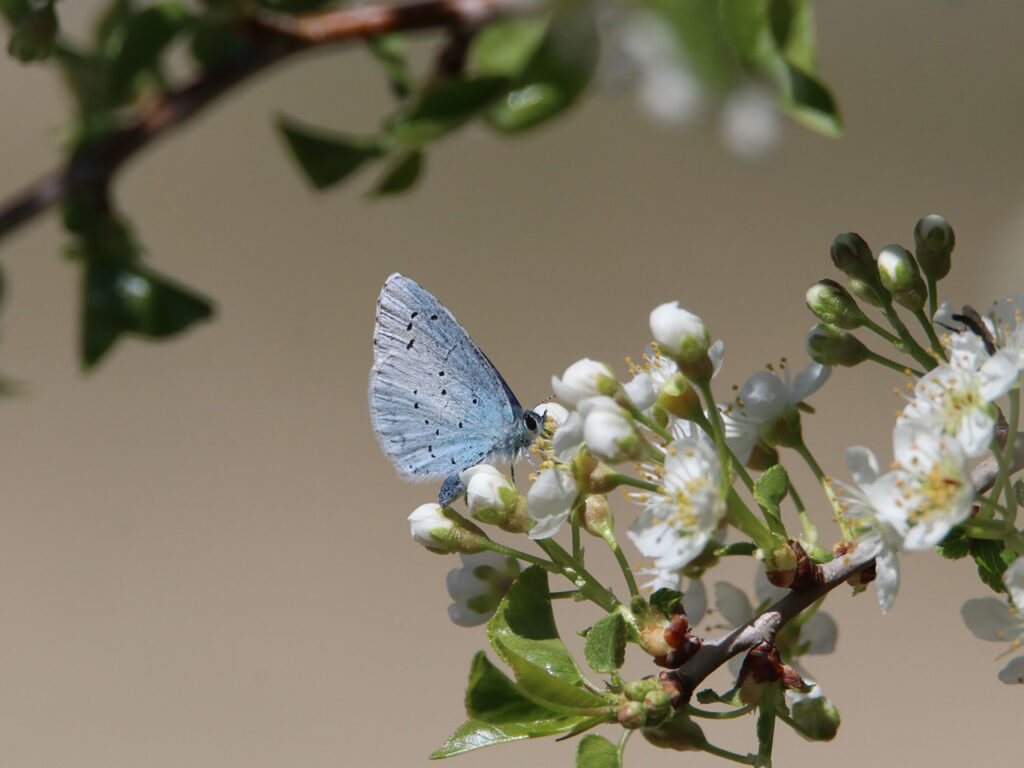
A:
[764,628]
[271,37]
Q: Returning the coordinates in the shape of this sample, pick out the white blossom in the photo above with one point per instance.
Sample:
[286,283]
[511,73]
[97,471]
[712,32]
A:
[429,526]
[679,522]
[581,380]
[487,488]
[679,332]
[477,587]
[550,501]
[608,430]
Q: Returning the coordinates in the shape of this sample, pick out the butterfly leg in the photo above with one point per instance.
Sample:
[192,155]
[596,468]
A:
[451,489]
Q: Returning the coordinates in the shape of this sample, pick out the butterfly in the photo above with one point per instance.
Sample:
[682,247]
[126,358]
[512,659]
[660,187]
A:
[437,403]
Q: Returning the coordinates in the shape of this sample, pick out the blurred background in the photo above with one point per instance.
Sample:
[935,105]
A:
[204,557]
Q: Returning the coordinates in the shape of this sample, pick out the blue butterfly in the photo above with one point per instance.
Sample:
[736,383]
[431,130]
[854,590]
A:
[437,404]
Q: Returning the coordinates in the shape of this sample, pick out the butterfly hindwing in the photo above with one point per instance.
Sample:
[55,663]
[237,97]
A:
[436,402]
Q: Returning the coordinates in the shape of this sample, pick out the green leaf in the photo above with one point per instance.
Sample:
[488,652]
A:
[597,752]
[402,174]
[992,558]
[737,548]
[212,42]
[15,10]
[131,298]
[556,74]
[504,48]
[956,544]
[666,600]
[474,734]
[492,697]
[523,633]
[443,107]
[775,38]
[769,491]
[605,648]
[146,36]
[389,51]
[34,35]
[697,25]
[325,157]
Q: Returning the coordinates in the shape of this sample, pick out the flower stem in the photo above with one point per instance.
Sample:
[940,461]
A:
[909,344]
[634,482]
[711,749]
[894,364]
[826,485]
[929,329]
[620,558]
[727,715]
[810,529]
[525,556]
[588,585]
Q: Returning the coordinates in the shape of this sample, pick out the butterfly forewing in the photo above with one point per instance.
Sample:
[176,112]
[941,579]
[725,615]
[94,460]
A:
[436,402]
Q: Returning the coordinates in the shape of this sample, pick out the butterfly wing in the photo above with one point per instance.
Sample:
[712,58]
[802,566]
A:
[437,404]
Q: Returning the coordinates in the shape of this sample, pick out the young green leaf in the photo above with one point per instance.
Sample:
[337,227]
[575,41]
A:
[146,36]
[605,648]
[597,752]
[666,600]
[492,697]
[443,107]
[769,491]
[475,734]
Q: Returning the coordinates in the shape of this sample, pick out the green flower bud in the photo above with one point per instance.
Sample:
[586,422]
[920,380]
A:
[934,241]
[831,346]
[833,304]
[679,733]
[875,296]
[597,517]
[899,275]
[637,690]
[443,531]
[853,258]
[816,718]
[632,715]
[657,705]
[678,397]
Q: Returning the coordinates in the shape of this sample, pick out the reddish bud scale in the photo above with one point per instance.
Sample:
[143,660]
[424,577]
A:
[762,664]
[677,697]
[864,576]
[677,630]
[680,655]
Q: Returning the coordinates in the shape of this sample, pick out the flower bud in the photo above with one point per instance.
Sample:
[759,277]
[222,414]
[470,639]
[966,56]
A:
[816,718]
[443,531]
[832,303]
[678,732]
[678,397]
[554,415]
[831,346]
[597,517]
[609,432]
[853,258]
[632,715]
[934,241]
[683,336]
[640,391]
[657,706]
[899,275]
[550,501]
[477,587]
[584,378]
[490,495]
[875,296]
[637,690]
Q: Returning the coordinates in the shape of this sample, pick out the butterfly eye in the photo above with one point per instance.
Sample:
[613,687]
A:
[530,420]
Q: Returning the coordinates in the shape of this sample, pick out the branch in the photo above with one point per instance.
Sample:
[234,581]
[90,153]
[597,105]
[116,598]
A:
[272,37]
[764,628]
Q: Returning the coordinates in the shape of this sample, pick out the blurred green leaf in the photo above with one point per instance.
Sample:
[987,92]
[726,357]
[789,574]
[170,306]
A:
[326,158]
[402,174]
[214,41]
[443,107]
[556,73]
[389,51]
[35,34]
[956,544]
[992,558]
[597,752]
[697,24]
[775,38]
[146,36]
[131,298]
[605,648]
[505,47]
[15,10]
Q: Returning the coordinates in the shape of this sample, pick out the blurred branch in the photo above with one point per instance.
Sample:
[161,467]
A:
[271,37]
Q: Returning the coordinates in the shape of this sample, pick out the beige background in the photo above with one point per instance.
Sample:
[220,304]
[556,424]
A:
[204,559]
